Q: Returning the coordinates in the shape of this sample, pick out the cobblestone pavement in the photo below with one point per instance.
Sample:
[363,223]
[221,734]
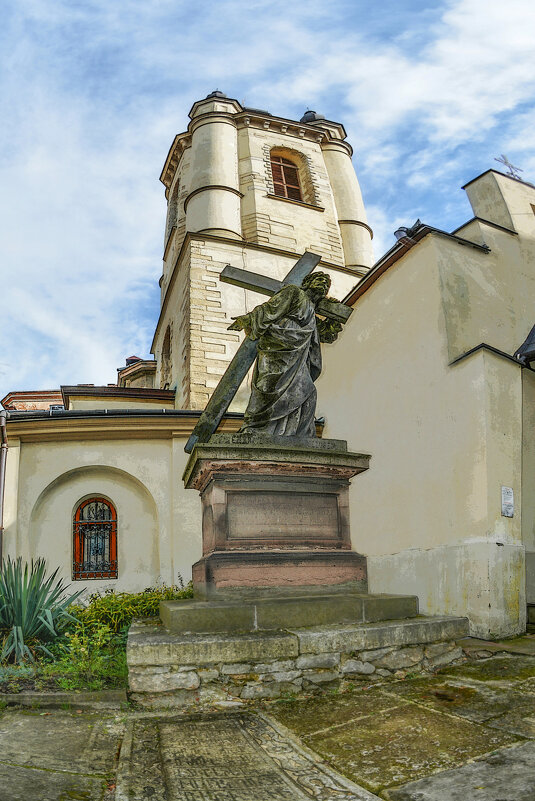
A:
[465,734]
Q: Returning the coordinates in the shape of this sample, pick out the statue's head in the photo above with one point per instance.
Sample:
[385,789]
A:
[317,283]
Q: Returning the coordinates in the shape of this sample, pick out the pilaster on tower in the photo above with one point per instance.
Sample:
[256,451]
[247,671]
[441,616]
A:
[247,188]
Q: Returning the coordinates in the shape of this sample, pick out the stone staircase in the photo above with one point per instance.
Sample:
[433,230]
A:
[225,652]
[268,612]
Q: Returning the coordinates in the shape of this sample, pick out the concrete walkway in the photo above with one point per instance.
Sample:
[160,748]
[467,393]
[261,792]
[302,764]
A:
[467,734]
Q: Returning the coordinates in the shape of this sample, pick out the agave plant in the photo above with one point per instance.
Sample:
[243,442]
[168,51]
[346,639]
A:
[33,608]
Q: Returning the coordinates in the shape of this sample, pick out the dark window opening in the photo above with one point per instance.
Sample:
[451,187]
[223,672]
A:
[95,540]
[285,178]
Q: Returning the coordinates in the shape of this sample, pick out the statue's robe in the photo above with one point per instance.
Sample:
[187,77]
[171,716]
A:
[283,395]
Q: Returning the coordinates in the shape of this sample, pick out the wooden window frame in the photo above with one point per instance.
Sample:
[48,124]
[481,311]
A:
[78,573]
[285,183]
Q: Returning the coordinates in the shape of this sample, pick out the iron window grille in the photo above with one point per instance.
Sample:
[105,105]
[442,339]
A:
[95,540]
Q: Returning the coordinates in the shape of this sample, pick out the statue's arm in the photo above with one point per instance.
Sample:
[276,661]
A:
[257,321]
[241,323]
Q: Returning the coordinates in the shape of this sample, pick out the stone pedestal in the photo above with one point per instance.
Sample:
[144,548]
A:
[275,516]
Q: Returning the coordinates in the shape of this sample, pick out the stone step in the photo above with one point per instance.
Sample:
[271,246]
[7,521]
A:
[154,646]
[175,670]
[266,614]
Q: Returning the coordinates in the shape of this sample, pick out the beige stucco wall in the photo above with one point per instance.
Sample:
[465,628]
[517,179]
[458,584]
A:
[159,523]
[488,298]
[505,201]
[528,480]
[443,439]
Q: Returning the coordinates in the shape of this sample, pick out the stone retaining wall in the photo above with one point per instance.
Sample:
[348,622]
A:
[205,681]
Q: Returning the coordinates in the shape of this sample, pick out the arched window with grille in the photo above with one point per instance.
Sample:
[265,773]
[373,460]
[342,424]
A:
[285,178]
[95,540]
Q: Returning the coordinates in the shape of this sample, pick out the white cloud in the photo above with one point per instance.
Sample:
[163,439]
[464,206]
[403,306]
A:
[94,92]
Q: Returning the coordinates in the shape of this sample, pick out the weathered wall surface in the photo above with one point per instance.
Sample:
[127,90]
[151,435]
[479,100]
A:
[159,523]
[528,480]
[443,439]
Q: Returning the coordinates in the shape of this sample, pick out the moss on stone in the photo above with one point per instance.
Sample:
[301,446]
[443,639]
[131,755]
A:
[402,744]
[494,669]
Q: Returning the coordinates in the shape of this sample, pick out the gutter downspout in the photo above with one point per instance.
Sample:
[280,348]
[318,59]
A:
[3,459]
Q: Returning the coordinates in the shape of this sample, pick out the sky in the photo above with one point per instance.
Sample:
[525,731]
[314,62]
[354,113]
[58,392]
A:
[92,93]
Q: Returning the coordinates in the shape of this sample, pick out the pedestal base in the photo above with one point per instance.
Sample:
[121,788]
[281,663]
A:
[275,515]
[234,573]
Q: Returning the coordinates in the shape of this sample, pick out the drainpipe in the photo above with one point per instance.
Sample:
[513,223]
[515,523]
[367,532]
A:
[3,459]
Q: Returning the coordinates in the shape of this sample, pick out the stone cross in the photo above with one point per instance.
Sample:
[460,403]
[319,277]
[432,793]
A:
[241,363]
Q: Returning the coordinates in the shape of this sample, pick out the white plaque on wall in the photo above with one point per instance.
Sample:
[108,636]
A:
[508,502]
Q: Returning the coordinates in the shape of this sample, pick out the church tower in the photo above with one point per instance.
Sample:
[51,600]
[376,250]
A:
[249,189]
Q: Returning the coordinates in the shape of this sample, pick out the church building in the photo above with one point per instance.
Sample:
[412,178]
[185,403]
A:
[428,376]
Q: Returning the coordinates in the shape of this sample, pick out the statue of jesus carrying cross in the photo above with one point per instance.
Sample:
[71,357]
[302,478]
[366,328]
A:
[284,336]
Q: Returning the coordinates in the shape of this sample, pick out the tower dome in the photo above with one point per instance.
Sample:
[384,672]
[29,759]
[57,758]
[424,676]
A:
[311,116]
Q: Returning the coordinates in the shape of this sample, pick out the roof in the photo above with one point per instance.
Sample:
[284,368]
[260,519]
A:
[503,174]
[31,396]
[126,393]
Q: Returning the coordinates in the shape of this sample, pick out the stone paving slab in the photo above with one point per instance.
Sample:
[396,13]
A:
[28,784]
[520,719]
[402,744]
[60,741]
[58,756]
[320,713]
[515,645]
[469,699]
[507,775]
[498,670]
[235,757]
[527,686]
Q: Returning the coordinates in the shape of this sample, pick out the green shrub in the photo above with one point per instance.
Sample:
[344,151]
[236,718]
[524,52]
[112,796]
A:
[89,658]
[33,608]
[117,609]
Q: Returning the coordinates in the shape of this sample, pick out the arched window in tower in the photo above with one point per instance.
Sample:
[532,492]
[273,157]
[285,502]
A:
[172,211]
[165,364]
[285,178]
[94,540]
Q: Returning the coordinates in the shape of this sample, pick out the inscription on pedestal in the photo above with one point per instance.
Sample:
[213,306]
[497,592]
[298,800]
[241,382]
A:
[281,516]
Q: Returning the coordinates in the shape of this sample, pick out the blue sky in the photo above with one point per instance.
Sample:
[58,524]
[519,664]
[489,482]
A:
[93,92]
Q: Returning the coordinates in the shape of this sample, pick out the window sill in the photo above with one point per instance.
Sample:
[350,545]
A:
[295,202]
